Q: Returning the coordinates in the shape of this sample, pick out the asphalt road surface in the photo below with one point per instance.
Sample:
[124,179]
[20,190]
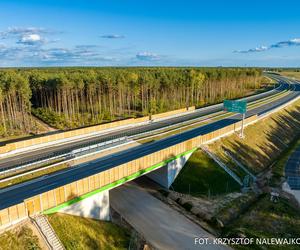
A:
[292,170]
[47,152]
[163,227]
[16,194]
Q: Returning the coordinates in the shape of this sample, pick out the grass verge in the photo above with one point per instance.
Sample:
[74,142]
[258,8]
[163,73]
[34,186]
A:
[18,239]
[83,233]
[264,141]
[293,74]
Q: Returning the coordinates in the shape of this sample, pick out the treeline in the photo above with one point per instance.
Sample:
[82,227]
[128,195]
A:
[73,97]
[283,69]
[15,106]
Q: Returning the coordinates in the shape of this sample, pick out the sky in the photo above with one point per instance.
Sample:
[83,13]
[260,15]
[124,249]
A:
[150,33]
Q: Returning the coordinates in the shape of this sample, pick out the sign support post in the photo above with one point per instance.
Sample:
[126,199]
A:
[237,106]
[242,128]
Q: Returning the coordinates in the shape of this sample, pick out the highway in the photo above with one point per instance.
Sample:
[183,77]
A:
[16,194]
[54,150]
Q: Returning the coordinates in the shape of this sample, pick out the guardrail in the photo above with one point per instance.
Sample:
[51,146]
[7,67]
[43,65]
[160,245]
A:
[64,156]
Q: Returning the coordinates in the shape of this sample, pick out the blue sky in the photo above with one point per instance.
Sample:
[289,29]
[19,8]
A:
[130,33]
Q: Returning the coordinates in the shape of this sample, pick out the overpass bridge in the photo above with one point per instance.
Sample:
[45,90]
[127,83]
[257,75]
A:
[78,184]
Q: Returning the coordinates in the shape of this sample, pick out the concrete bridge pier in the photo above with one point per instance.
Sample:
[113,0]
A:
[167,174]
[96,206]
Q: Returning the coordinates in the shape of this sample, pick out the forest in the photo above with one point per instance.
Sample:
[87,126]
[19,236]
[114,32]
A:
[74,97]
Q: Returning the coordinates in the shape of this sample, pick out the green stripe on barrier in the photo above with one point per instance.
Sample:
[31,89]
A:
[114,184]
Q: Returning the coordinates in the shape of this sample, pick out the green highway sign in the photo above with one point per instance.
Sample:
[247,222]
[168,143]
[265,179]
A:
[235,106]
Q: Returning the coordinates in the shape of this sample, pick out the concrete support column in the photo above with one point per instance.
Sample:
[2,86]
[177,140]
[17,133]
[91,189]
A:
[95,207]
[166,175]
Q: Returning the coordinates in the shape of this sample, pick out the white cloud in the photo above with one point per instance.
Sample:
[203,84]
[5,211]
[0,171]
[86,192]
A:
[292,42]
[257,49]
[20,31]
[28,36]
[38,55]
[112,36]
[147,56]
[31,39]
[282,44]
[296,40]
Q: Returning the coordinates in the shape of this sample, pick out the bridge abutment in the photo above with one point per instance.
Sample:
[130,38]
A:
[166,175]
[96,207]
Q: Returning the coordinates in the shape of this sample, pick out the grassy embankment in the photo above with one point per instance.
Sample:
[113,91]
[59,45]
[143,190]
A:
[267,145]
[267,142]
[19,238]
[83,233]
[292,74]
[75,233]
